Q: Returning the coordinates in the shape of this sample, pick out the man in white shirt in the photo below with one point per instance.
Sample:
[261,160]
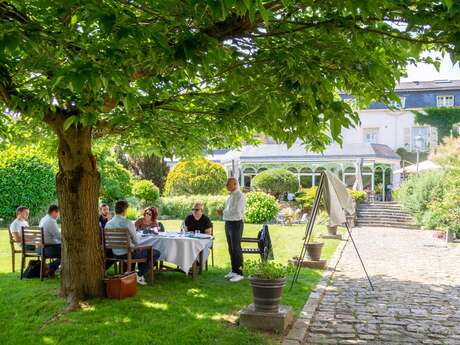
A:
[22,213]
[233,217]
[120,221]
[52,237]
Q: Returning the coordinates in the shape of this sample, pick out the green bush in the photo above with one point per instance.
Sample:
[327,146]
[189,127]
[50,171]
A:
[181,206]
[266,270]
[132,213]
[195,176]
[306,197]
[260,208]
[26,178]
[146,192]
[275,182]
[416,194]
[358,195]
[115,181]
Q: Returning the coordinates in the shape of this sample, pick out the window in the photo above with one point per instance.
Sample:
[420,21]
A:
[445,101]
[371,135]
[399,105]
[420,138]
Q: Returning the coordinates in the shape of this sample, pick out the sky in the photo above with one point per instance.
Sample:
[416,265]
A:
[423,72]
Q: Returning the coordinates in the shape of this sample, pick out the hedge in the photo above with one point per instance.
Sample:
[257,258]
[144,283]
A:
[27,178]
[180,206]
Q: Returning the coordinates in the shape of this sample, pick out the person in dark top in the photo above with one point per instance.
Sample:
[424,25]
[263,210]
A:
[149,221]
[104,215]
[198,221]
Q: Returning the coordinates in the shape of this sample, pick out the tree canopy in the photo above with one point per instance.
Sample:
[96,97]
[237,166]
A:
[193,74]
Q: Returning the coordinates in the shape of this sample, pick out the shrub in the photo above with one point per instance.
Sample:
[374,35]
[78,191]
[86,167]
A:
[275,182]
[146,192]
[306,197]
[26,178]
[132,213]
[181,206]
[419,191]
[358,195]
[115,181]
[193,177]
[260,207]
[266,270]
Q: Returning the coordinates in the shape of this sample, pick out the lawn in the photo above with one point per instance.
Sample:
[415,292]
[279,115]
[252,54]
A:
[176,310]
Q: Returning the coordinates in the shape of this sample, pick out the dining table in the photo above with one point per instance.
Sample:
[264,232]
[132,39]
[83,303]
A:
[187,250]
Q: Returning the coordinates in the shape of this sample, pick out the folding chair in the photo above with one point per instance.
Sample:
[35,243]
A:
[264,247]
[14,250]
[118,238]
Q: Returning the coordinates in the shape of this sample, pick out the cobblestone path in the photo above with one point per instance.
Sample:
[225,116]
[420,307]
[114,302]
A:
[416,298]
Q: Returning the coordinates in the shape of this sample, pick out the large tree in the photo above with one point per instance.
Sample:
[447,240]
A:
[178,76]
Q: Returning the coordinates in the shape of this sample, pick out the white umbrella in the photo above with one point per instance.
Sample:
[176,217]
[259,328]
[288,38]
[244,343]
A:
[358,185]
[425,165]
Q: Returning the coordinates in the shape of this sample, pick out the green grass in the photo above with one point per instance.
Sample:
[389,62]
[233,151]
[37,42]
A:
[176,310]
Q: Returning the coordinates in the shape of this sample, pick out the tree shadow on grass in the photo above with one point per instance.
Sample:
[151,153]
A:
[176,310]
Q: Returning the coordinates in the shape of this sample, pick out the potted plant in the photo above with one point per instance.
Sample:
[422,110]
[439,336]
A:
[267,280]
[332,230]
[314,249]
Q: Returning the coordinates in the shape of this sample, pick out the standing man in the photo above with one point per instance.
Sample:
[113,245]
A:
[233,217]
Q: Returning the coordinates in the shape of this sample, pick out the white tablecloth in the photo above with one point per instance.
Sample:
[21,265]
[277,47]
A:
[176,248]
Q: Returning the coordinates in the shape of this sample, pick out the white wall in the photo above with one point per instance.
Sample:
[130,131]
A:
[391,126]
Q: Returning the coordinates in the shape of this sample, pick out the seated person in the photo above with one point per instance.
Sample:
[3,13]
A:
[22,213]
[149,221]
[120,221]
[198,221]
[104,215]
[52,237]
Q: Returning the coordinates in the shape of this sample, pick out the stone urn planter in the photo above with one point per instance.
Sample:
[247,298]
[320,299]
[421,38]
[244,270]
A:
[314,250]
[267,293]
[332,230]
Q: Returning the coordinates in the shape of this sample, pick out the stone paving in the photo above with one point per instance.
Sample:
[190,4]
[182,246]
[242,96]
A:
[416,298]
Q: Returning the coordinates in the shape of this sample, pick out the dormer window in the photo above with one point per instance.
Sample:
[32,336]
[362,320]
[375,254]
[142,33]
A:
[445,101]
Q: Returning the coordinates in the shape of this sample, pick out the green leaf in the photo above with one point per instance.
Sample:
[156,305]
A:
[70,121]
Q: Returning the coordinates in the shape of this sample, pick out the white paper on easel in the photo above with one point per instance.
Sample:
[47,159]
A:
[339,202]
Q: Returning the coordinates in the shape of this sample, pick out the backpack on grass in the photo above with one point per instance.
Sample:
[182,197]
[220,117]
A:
[33,269]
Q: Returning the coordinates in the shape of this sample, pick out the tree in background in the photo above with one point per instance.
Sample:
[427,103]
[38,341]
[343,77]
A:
[148,167]
[448,153]
[276,182]
[195,176]
[115,180]
[179,79]
[442,118]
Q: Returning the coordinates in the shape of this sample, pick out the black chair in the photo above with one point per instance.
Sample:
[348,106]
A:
[264,244]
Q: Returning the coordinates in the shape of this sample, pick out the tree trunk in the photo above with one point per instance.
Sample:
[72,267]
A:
[78,181]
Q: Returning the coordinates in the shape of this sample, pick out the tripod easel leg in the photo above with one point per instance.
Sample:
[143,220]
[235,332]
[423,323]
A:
[359,256]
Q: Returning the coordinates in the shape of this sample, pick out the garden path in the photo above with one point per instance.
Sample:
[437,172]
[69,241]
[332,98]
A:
[416,298]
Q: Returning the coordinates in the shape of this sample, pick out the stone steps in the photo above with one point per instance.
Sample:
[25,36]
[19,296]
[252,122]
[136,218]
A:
[386,224]
[384,214]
